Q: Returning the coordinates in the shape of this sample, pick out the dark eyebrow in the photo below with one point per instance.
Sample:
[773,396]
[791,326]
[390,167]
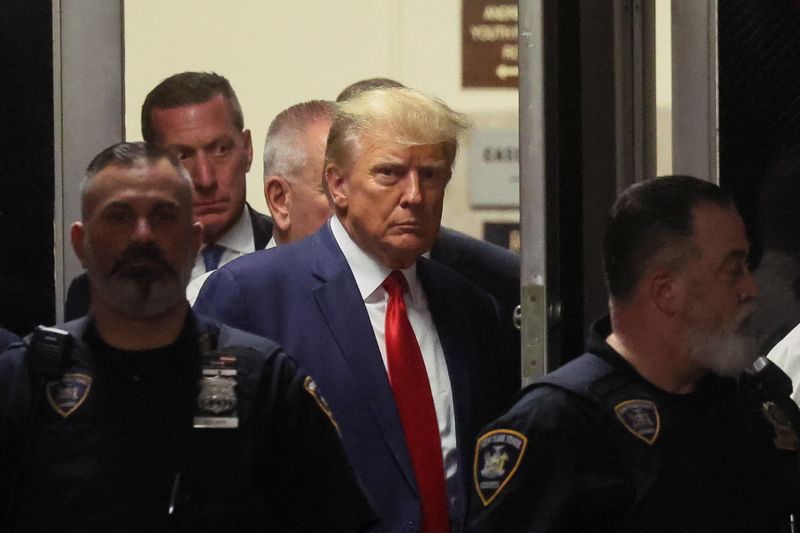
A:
[220,139]
[737,255]
[161,204]
[117,204]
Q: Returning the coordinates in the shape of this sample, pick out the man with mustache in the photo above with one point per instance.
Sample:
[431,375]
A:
[405,349]
[657,427]
[198,118]
[145,416]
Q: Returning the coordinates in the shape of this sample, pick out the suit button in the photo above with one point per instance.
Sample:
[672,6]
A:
[411,526]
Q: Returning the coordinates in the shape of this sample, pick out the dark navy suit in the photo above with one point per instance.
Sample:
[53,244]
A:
[305,297]
[493,269]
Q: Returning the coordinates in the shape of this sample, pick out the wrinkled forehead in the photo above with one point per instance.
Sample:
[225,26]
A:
[390,139]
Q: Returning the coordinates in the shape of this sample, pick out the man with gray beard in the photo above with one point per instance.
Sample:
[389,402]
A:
[657,427]
[145,416]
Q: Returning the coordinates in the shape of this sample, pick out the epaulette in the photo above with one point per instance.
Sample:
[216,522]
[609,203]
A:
[49,353]
[578,375]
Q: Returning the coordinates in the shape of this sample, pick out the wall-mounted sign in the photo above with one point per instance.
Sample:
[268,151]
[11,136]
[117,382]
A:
[494,168]
[505,234]
[489,44]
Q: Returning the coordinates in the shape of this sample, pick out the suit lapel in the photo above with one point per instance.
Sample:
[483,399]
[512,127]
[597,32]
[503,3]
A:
[450,325]
[340,303]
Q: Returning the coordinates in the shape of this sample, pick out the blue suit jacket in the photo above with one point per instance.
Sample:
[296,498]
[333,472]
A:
[305,297]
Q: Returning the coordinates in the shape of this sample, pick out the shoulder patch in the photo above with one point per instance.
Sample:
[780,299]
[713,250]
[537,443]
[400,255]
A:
[498,455]
[785,437]
[641,418]
[68,393]
[311,387]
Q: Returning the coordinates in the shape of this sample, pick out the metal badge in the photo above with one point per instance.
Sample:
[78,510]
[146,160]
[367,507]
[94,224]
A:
[216,401]
[785,437]
[640,418]
[68,393]
[498,455]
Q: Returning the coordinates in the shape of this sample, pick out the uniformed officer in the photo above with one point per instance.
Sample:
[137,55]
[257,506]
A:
[656,428]
[144,416]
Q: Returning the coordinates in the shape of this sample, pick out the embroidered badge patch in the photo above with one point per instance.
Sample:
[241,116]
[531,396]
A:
[641,418]
[68,393]
[498,455]
[785,437]
[311,387]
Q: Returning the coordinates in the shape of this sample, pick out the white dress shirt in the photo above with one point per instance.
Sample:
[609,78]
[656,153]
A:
[237,241]
[196,284]
[786,354]
[369,275]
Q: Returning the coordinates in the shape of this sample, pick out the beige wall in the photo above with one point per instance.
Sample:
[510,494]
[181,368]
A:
[280,53]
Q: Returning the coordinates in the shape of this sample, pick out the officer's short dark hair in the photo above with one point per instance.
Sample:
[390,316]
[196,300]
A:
[128,155]
[646,220]
[188,88]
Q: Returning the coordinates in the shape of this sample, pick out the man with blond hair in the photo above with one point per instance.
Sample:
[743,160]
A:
[402,347]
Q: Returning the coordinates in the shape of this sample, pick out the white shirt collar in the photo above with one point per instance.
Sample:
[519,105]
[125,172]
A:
[368,272]
[240,237]
[271,243]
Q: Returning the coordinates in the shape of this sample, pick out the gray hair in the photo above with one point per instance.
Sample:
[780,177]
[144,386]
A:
[285,151]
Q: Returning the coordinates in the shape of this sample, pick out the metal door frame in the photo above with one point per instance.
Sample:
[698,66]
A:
[88,108]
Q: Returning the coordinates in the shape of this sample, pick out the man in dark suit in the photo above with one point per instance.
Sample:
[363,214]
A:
[494,269]
[197,117]
[403,348]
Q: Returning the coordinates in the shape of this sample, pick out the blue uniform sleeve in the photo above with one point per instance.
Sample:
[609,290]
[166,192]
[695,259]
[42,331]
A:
[301,459]
[14,409]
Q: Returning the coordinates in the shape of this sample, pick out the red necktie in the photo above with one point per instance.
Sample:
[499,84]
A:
[412,394]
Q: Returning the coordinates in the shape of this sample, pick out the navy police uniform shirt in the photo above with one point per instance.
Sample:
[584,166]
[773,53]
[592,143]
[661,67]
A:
[595,447]
[120,441]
